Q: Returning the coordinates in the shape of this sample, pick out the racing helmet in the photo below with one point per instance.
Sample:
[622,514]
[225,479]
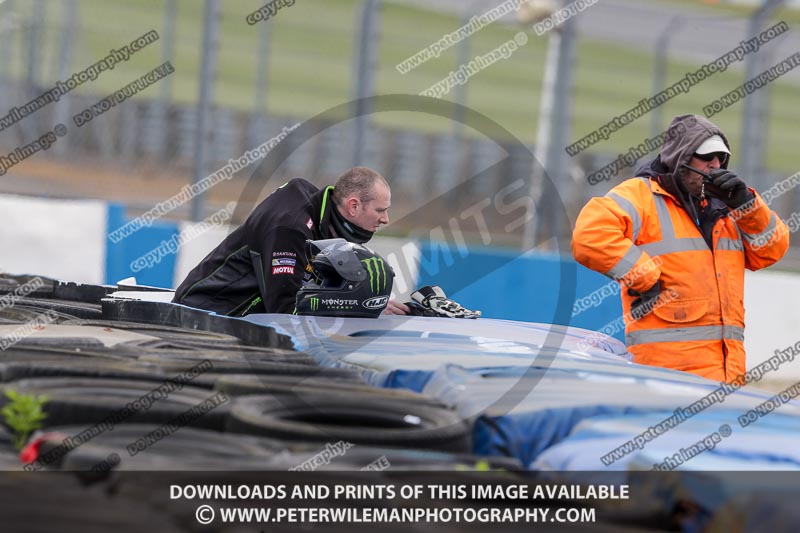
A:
[350,280]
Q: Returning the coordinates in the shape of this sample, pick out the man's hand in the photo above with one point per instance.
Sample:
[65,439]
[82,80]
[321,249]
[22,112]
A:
[396,308]
[644,303]
[729,188]
[432,301]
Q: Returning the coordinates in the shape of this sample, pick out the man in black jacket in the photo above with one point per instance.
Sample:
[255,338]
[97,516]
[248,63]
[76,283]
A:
[261,265]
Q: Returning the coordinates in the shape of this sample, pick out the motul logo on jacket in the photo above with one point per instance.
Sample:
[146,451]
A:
[283,270]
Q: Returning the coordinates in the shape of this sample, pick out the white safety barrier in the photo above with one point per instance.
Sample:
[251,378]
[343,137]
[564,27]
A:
[63,239]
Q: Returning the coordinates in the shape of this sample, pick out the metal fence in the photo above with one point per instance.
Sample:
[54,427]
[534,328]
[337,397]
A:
[192,137]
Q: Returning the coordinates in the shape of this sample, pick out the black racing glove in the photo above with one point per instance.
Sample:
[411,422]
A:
[432,301]
[644,303]
[729,188]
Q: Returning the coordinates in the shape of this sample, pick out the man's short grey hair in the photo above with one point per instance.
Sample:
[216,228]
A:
[358,181]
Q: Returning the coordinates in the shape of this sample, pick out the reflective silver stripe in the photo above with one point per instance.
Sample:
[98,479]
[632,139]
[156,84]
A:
[630,210]
[734,333]
[625,264]
[724,243]
[669,243]
[664,220]
[689,244]
[696,333]
[773,222]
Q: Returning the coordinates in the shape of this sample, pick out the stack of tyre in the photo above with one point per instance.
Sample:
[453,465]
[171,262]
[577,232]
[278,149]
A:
[124,395]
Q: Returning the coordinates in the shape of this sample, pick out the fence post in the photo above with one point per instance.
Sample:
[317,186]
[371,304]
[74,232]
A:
[68,33]
[660,69]
[205,131]
[755,113]
[366,57]
[255,128]
[555,114]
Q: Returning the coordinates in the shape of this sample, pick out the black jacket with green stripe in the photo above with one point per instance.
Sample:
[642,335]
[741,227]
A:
[261,265]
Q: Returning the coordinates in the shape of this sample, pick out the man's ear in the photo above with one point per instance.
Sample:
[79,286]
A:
[351,205]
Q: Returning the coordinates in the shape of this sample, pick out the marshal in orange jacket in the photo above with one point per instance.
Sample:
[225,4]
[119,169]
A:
[699,327]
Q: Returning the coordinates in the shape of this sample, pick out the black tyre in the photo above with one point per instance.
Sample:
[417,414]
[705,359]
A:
[164,332]
[246,384]
[242,385]
[6,440]
[90,401]
[36,352]
[13,284]
[28,362]
[222,366]
[373,458]
[9,460]
[358,419]
[159,313]
[21,314]
[81,310]
[62,335]
[81,292]
[12,371]
[154,447]
[187,350]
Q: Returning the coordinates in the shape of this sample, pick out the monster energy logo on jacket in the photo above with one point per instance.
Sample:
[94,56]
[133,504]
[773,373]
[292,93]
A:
[377,273]
[314,303]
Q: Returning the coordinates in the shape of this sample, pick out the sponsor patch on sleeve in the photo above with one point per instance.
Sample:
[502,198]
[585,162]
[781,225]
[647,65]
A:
[284,261]
[282,270]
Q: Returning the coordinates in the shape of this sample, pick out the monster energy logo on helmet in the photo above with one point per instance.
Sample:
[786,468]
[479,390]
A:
[377,273]
[350,280]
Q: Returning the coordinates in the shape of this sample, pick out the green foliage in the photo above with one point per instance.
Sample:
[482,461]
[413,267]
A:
[23,414]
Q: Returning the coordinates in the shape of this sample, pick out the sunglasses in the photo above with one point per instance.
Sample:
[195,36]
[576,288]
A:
[722,156]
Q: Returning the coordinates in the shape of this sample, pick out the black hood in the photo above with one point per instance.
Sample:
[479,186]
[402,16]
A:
[685,134]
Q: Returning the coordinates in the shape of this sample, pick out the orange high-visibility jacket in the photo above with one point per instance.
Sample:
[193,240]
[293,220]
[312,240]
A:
[699,327]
